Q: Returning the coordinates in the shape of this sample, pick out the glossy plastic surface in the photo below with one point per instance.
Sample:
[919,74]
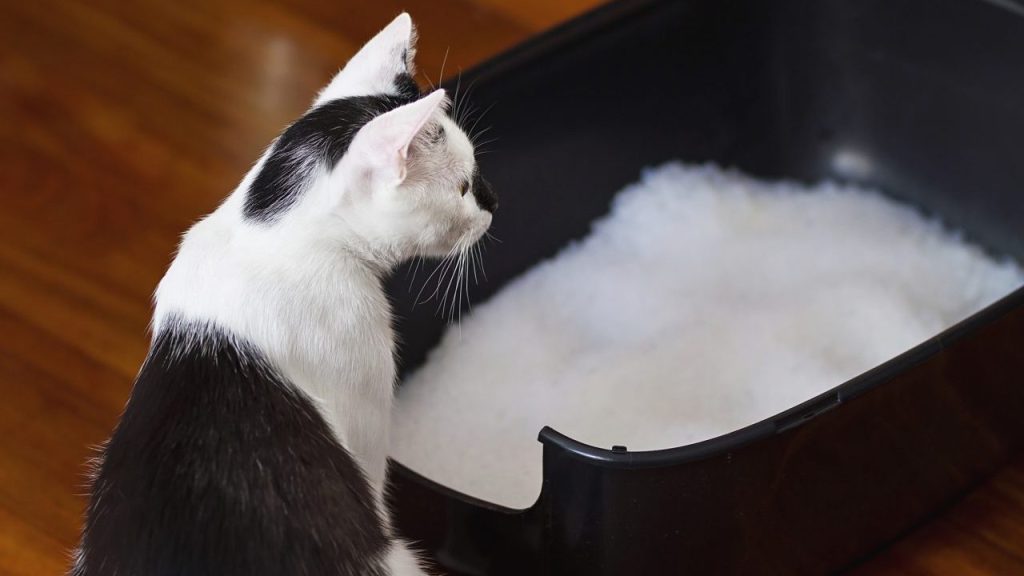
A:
[923,99]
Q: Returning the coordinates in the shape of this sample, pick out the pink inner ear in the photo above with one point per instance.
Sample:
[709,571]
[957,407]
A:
[384,142]
[414,117]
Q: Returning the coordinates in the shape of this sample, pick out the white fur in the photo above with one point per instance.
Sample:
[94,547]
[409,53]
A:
[306,289]
[706,301]
[373,69]
[401,560]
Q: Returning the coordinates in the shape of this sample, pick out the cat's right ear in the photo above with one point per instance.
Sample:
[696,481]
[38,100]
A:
[380,149]
[376,68]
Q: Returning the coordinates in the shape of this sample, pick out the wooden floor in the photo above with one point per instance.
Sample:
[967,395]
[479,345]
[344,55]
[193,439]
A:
[120,124]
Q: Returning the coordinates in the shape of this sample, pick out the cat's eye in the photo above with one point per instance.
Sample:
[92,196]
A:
[464,188]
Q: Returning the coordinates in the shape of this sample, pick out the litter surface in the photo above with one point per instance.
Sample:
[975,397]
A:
[705,301]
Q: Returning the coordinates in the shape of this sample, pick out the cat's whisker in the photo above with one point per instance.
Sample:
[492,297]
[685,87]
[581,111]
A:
[469,109]
[480,117]
[476,260]
[457,101]
[476,136]
[442,304]
[449,268]
[463,290]
[472,262]
[417,265]
[466,97]
[467,256]
[408,270]
[457,295]
[453,269]
[481,151]
[478,146]
[455,97]
[466,270]
[480,247]
[416,270]
[455,307]
[446,308]
[427,280]
[461,96]
[469,113]
[486,142]
[446,305]
[440,77]
[471,265]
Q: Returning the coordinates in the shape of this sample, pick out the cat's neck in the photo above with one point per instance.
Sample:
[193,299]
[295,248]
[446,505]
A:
[320,316]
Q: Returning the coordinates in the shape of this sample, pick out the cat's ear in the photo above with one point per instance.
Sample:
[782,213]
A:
[381,147]
[379,65]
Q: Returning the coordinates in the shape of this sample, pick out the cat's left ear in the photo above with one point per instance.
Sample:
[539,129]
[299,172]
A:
[381,147]
[378,66]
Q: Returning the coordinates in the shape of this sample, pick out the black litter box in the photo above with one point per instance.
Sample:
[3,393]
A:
[922,99]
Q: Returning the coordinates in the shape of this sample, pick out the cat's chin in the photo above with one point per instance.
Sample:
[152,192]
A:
[451,247]
[440,251]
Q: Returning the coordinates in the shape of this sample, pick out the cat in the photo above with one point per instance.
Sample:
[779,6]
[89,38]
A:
[254,440]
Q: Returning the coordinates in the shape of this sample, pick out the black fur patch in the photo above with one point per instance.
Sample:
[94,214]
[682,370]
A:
[318,139]
[406,86]
[219,467]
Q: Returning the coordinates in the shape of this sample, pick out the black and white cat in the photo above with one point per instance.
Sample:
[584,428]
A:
[255,438]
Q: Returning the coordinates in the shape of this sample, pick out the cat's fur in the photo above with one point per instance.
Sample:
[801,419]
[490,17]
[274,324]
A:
[255,438]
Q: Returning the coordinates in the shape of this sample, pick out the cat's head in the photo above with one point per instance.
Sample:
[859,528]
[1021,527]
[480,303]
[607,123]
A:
[375,165]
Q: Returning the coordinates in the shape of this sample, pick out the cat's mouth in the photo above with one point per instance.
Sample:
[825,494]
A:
[462,240]
[480,229]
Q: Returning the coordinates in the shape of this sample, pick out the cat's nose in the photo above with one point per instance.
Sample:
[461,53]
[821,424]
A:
[486,199]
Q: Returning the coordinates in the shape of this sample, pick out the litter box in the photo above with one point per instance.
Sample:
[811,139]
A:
[924,100]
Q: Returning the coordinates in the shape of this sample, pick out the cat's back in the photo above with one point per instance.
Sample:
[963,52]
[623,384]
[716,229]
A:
[219,466]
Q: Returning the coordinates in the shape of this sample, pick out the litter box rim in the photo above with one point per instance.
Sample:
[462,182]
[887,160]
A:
[618,457]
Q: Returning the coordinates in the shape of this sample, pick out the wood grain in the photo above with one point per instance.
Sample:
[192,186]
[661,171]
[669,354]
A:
[120,123]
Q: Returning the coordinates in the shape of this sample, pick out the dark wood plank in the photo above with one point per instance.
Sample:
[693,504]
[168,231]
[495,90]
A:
[981,535]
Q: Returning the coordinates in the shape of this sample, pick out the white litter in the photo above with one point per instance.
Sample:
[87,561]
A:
[706,301]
